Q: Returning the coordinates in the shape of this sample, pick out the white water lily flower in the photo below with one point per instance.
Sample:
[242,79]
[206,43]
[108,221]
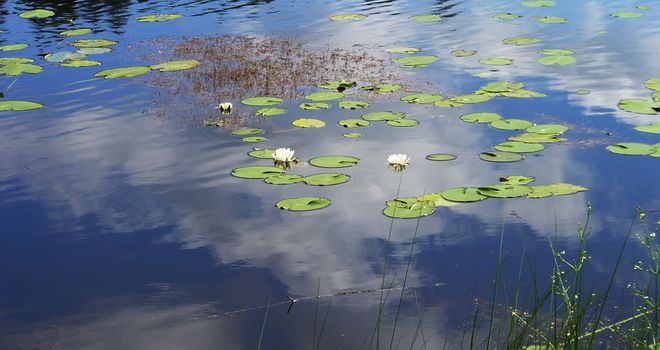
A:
[225,107]
[283,155]
[398,161]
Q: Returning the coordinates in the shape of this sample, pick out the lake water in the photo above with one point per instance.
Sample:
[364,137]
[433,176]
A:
[121,226]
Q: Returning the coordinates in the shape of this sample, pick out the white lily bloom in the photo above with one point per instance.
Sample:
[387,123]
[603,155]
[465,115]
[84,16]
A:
[225,107]
[284,155]
[398,159]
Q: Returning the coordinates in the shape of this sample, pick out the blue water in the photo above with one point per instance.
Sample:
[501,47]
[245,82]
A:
[122,228]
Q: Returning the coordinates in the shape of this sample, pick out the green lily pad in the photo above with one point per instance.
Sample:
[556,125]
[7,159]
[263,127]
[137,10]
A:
[511,124]
[640,106]
[531,137]
[447,103]
[501,157]
[402,123]
[158,18]
[284,179]
[14,60]
[631,148]
[383,116]
[480,117]
[653,84]
[18,105]
[426,18]
[539,3]
[262,101]
[437,200]
[516,180]
[352,104]
[502,86]
[653,128]
[550,19]
[38,13]
[80,63]
[303,203]
[324,96]
[352,135]
[262,153]
[256,172]
[562,60]
[506,16]
[270,111]
[421,98]
[126,72]
[519,147]
[13,47]
[353,123]
[462,194]
[562,189]
[61,56]
[173,66]
[339,85]
[403,50]
[496,61]
[583,92]
[408,208]
[76,32]
[540,191]
[20,68]
[623,14]
[556,52]
[254,139]
[334,161]
[643,7]
[504,191]
[441,157]
[382,88]
[314,106]
[555,129]
[656,151]
[326,179]
[472,98]
[522,93]
[93,50]
[308,123]
[247,131]
[93,43]
[415,61]
[521,40]
[463,53]
[347,17]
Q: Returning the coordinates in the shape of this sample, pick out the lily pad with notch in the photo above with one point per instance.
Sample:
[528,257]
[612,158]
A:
[254,139]
[326,179]
[14,60]
[550,19]
[247,131]
[334,161]
[313,106]
[93,43]
[270,111]
[496,61]
[415,61]
[76,32]
[463,53]
[504,191]
[653,128]
[174,66]
[462,194]
[77,63]
[640,106]
[19,105]
[408,208]
[37,13]
[480,117]
[472,98]
[308,123]
[501,156]
[284,179]
[16,69]
[511,124]
[402,123]
[531,137]
[507,16]
[262,153]
[521,40]
[324,96]
[382,88]
[352,135]
[440,157]
[125,72]
[353,104]
[303,203]
[13,47]
[631,148]
[256,172]
[519,147]
[262,101]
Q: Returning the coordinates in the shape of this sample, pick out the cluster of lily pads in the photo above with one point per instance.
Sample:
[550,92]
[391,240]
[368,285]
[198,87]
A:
[562,20]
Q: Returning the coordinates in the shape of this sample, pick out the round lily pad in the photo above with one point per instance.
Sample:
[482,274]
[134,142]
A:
[631,148]
[555,129]
[583,92]
[522,93]
[62,56]
[472,98]
[653,128]
[539,3]
[506,16]
[561,189]
[284,179]
[93,50]
[93,43]
[13,47]
[326,179]
[640,106]
[382,88]
[347,17]
[402,122]
[447,103]
[254,139]
[496,61]
[550,19]
[415,61]
[502,86]
[403,50]
[480,117]
[173,66]
[426,18]
[501,157]
[624,14]
[303,203]
[158,18]
[462,194]
[262,153]
[352,104]
[531,137]
[520,40]
[653,84]
[18,105]
[440,157]
[421,98]
[14,60]
[352,135]
[256,172]
[126,72]
[324,96]
[383,116]
[643,7]
[516,180]
[313,106]
[80,63]
[20,68]
[334,161]
[556,52]
[262,101]
[511,124]
[37,13]
[247,131]
[504,191]
[560,60]
[308,123]
[463,53]
[353,123]
[408,208]
[519,147]
[76,32]
[270,111]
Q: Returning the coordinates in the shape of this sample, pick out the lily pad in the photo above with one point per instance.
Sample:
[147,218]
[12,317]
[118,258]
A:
[126,72]
[561,60]
[437,200]
[640,106]
[326,179]
[382,88]
[334,161]
[13,47]
[352,135]
[158,18]
[463,53]
[324,96]
[516,180]
[76,32]
[270,111]
[480,117]
[402,123]
[415,61]
[173,66]
[447,104]
[247,131]
[583,92]
[504,191]
[339,85]
[643,7]
[426,18]
[462,194]
[519,147]
[653,128]
[383,116]
[254,139]
[522,93]
[353,123]
[93,50]
[403,50]
[20,68]
[18,105]
[37,13]
[561,189]
[501,157]
[352,104]
[631,148]
[303,203]
[347,17]
[624,14]
[550,19]
[80,63]
[653,84]
[536,138]
[61,56]
[14,60]
[421,98]
[314,106]
[284,179]
[502,86]
[540,191]
[441,157]
[496,61]
[539,3]
[262,153]
[256,172]
[556,52]
[308,123]
[261,101]
[521,40]
[93,43]
[472,98]
[511,124]
[507,16]
[408,208]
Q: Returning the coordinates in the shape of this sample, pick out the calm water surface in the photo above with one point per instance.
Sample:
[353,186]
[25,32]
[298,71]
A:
[123,229]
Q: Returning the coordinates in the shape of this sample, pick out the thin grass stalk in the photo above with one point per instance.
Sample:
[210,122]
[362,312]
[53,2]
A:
[316,309]
[473,334]
[325,318]
[263,324]
[494,296]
